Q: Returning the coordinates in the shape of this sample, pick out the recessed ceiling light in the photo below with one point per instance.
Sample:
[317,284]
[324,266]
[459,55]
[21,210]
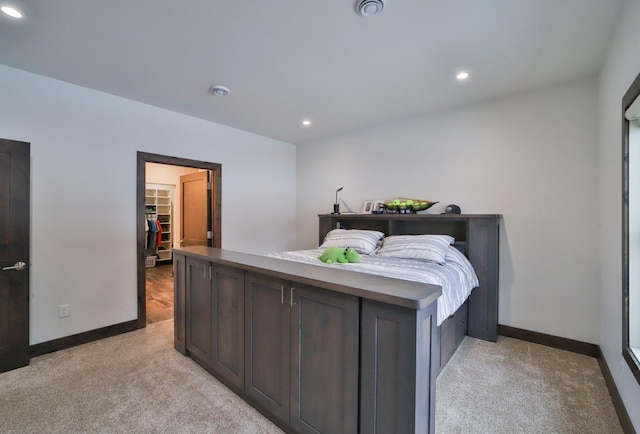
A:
[462,75]
[306,122]
[219,90]
[12,12]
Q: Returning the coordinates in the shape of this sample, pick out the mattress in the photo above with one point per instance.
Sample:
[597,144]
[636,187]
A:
[456,276]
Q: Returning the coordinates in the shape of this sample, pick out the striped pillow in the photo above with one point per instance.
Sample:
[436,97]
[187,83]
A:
[362,241]
[424,247]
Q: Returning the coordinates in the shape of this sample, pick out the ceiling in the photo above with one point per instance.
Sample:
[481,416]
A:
[289,60]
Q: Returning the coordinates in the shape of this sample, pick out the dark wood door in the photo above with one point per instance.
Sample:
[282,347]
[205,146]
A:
[324,361]
[14,254]
[195,209]
[267,347]
[228,324]
[198,310]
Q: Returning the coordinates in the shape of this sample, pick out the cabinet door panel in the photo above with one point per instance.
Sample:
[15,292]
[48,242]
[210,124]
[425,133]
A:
[398,374]
[267,344]
[228,324]
[199,299]
[324,361]
[179,304]
[483,247]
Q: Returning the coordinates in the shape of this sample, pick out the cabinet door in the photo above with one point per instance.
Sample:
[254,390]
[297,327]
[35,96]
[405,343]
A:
[198,310]
[324,361]
[179,303]
[228,324]
[483,244]
[267,345]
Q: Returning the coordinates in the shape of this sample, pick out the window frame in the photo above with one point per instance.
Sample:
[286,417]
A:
[631,358]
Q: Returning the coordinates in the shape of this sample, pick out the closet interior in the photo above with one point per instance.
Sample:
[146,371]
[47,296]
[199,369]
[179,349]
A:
[158,215]
[164,221]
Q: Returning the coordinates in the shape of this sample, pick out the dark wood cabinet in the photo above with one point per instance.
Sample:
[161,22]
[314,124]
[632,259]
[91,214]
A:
[452,332]
[267,344]
[316,350]
[214,313]
[322,350]
[483,247]
[199,313]
[324,361]
[398,343]
[227,336]
[179,304]
[302,354]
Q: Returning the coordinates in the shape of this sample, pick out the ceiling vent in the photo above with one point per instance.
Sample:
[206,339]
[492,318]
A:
[369,8]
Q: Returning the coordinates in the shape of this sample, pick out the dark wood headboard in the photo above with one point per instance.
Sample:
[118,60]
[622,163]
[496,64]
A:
[476,235]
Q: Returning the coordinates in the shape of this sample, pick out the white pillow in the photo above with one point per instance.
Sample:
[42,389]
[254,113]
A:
[424,247]
[362,241]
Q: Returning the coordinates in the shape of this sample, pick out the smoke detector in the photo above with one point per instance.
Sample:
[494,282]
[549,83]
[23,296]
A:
[369,8]
[219,90]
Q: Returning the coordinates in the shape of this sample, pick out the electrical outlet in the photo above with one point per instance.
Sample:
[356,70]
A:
[63,311]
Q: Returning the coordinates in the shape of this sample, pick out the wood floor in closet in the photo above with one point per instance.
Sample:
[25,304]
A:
[159,293]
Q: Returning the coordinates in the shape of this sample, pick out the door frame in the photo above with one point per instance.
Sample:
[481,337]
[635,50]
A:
[216,213]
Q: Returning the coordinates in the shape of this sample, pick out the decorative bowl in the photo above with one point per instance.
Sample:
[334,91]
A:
[408,207]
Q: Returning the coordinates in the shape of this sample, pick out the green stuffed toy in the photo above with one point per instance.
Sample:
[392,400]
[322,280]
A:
[331,255]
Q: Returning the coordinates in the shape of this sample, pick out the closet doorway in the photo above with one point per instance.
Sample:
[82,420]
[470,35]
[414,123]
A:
[167,220]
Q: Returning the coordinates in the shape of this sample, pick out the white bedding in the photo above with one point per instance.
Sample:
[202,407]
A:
[456,276]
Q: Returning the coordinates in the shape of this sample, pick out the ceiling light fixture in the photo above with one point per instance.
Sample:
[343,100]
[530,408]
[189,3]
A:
[462,75]
[369,8]
[219,90]
[306,122]
[12,12]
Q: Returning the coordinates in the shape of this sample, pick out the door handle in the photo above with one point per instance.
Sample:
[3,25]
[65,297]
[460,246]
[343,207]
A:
[19,266]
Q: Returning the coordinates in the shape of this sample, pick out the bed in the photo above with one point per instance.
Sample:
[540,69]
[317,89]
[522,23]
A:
[456,275]
[324,349]
[422,248]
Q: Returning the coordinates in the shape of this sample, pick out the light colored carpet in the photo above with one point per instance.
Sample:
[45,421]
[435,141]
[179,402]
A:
[514,386]
[137,383]
[130,383]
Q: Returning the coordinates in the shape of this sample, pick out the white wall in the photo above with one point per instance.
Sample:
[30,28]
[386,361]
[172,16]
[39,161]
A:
[83,193]
[531,157]
[621,68]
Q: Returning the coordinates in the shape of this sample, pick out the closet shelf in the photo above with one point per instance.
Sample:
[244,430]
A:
[159,205]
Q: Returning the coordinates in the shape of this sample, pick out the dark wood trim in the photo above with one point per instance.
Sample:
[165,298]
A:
[216,205]
[566,344]
[142,273]
[623,416]
[82,338]
[634,364]
[633,361]
[142,159]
